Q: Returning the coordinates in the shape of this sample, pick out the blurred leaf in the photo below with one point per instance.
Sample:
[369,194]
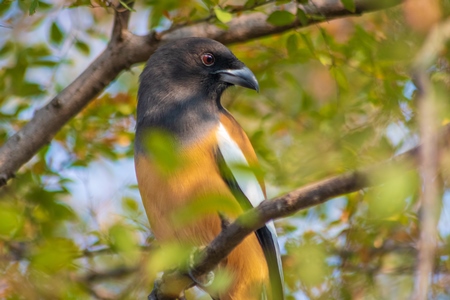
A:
[349,5]
[82,47]
[210,3]
[11,221]
[5,6]
[292,44]
[222,281]
[29,89]
[250,3]
[130,205]
[125,4]
[340,78]
[311,267]
[281,18]
[302,17]
[123,240]
[56,35]
[390,199]
[205,206]
[169,256]
[162,148]
[223,15]
[7,48]
[307,42]
[281,2]
[33,5]
[54,255]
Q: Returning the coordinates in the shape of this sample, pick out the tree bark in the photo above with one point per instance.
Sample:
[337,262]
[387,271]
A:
[126,49]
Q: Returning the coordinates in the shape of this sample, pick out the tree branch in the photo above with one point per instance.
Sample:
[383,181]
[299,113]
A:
[429,161]
[121,20]
[126,49]
[302,198]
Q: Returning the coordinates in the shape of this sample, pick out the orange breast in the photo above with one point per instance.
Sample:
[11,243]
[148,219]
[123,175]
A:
[165,195]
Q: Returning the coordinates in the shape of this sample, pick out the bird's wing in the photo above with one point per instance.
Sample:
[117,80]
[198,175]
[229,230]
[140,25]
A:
[236,157]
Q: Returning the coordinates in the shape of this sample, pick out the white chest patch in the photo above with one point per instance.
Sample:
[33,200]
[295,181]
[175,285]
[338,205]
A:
[235,160]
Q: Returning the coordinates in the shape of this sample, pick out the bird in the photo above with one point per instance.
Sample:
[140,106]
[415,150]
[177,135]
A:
[180,94]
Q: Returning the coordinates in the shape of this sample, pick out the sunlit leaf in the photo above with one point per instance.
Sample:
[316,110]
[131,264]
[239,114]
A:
[126,5]
[123,240]
[170,255]
[54,255]
[204,206]
[11,221]
[223,15]
[163,150]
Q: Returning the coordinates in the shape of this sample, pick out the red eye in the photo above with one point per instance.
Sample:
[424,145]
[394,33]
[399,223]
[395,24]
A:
[208,59]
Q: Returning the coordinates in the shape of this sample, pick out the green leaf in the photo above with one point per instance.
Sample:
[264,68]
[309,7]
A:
[130,205]
[308,42]
[12,221]
[349,5]
[44,6]
[123,241]
[302,17]
[280,2]
[4,7]
[27,89]
[203,206]
[210,3]
[55,254]
[56,35]
[249,3]
[45,63]
[340,77]
[222,281]
[124,4]
[34,4]
[292,44]
[77,3]
[281,18]
[222,15]
[162,148]
[6,49]
[82,47]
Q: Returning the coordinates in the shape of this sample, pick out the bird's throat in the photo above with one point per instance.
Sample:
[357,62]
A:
[187,120]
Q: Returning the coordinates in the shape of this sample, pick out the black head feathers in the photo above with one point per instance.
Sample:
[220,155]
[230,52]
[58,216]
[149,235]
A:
[182,82]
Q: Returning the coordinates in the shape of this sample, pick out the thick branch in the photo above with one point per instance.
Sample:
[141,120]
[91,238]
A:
[290,203]
[254,25]
[121,20]
[126,49]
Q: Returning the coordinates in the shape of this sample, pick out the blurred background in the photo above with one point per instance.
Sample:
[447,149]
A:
[335,96]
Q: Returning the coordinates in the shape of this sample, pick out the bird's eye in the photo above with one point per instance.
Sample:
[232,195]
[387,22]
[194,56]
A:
[208,59]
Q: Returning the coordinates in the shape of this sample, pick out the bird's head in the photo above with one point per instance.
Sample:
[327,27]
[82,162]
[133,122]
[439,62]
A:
[195,66]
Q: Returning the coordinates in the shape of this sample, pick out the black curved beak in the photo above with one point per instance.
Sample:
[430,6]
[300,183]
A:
[243,77]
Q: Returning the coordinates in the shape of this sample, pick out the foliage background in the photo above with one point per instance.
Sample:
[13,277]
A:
[334,97]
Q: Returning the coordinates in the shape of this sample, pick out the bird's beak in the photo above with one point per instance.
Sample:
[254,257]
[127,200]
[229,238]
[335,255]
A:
[243,77]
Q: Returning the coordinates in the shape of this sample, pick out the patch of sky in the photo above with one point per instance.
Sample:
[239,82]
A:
[444,220]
